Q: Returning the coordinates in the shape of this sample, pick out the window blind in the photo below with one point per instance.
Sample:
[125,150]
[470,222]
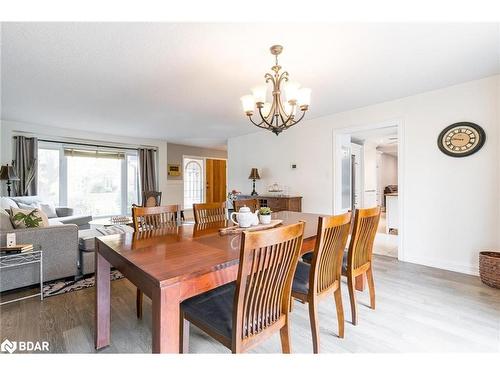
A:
[100,154]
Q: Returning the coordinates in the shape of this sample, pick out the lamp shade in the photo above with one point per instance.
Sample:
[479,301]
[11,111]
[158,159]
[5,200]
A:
[7,173]
[254,174]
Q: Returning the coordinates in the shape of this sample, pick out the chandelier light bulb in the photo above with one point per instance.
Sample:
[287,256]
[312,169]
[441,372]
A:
[292,91]
[304,97]
[247,102]
[259,94]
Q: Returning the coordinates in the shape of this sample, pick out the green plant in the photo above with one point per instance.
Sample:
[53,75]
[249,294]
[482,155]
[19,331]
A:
[265,211]
[30,220]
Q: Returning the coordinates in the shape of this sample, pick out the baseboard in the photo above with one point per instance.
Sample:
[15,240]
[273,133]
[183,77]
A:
[449,266]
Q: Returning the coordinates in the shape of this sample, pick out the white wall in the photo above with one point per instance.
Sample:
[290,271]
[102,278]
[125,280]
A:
[388,170]
[9,128]
[451,204]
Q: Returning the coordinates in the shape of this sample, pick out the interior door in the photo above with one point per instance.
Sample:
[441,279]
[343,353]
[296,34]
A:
[215,177]
[357,175]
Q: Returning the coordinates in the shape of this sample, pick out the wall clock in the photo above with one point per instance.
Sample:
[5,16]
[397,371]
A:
[461,139]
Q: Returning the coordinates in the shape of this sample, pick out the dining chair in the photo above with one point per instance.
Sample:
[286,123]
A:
[209,212]
[242,314]
[151,198]
[321,278]
[149,219]
[358,258]
[253,204]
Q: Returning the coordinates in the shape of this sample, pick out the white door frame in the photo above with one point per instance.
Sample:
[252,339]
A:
[399,124]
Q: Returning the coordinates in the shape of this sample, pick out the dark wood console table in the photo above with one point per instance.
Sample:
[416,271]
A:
[277,203]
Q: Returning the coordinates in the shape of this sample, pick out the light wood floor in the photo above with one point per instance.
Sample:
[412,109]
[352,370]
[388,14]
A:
[419,309]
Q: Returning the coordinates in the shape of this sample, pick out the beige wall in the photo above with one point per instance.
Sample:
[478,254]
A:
[175,188]
[175,153]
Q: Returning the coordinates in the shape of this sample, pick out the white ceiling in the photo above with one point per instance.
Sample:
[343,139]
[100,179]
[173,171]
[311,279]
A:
[183,82]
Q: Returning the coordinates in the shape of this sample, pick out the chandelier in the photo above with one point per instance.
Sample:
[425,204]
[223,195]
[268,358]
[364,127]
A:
[281,113]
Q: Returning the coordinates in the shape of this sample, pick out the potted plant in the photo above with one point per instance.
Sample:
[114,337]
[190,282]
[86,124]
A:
[265,215]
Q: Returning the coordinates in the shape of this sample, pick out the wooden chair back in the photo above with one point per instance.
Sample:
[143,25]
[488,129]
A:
[209,212]
[253,204]
[363,235]
[151,198]
[149,218]
[268,260]
[331,240]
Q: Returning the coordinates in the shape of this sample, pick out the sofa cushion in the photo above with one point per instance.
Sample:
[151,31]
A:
[18,223]
[30,200]
[23,206]
[49,209]
[7,203]
[5,223]
[54,221]
[80,220]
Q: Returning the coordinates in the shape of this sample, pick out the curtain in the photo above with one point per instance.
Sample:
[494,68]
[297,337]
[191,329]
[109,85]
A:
[25,163]
[147,169]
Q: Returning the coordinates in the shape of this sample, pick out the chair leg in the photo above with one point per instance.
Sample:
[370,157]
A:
[371,287]
[285,339]
[340,311]
[183,335]
[313,318]
[352,298]
[291,303]
[138,303]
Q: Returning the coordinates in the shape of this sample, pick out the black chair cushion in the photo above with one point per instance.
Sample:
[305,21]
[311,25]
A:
[344,262]
[214,309]
[308,257]
[301,278]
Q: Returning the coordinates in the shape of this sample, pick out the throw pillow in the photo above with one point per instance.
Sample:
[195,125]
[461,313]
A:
[33,218]
[48,209]
[5,223]
[24,206]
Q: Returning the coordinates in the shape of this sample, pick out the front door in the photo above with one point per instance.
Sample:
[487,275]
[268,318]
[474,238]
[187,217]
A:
[215,173]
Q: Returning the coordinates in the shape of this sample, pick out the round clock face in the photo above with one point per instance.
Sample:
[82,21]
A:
[461,139]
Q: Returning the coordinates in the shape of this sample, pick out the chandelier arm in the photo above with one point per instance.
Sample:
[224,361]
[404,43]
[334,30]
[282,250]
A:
[283,77]
[264,119]
[257,124]
[297,121]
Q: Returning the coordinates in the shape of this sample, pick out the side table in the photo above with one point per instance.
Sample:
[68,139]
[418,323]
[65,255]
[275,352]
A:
[22,259]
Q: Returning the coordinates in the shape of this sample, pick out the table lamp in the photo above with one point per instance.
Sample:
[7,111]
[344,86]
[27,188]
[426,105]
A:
[254,175]
[7,173]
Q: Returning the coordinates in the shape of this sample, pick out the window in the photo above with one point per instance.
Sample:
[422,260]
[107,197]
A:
[48,174]
[193,181]
[97,182]
[94,185]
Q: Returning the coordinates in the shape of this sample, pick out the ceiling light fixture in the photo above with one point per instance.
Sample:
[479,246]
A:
[280,114]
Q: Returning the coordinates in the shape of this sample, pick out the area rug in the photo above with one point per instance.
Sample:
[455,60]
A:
[55,288]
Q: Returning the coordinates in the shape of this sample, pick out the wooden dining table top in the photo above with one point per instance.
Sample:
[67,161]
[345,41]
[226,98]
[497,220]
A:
[171,254]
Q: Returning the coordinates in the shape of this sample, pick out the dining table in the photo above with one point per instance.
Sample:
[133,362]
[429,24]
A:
[172,264]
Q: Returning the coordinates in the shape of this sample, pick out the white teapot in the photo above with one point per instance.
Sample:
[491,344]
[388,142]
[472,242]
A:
[245,218]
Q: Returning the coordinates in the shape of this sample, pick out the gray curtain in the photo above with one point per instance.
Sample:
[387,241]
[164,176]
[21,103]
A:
[25,164]
[147,169]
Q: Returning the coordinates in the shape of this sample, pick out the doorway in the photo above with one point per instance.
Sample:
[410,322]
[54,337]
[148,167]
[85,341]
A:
[367,174]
